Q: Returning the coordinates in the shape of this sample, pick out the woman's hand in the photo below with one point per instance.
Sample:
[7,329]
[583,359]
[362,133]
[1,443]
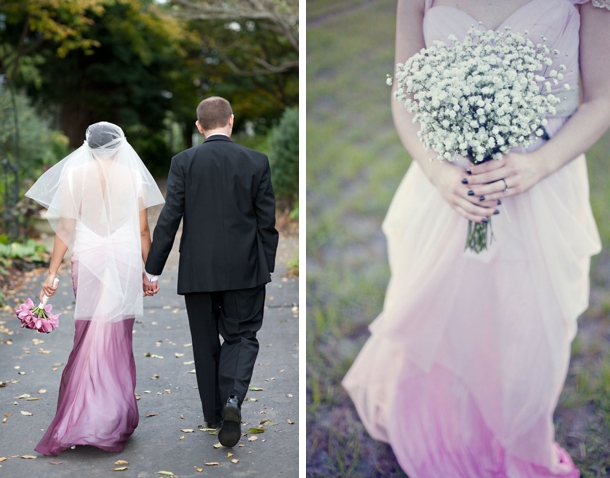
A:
[449,180]
[517,172]
[48,288]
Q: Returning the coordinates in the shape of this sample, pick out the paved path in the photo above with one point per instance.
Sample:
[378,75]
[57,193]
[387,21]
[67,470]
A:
[31,363]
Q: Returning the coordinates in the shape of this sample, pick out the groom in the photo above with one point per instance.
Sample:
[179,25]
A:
[223,193]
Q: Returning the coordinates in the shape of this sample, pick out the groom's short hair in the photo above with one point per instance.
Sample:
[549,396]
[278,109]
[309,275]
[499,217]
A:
[214,112]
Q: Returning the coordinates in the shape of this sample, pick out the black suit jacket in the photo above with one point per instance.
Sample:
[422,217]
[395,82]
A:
[223,191]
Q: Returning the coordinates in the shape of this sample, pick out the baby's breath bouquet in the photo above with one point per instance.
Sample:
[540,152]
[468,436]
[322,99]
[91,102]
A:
[480,98]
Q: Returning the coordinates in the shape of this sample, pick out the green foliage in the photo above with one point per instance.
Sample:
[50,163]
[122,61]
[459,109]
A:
[294,214]
[258,142]
[293,265]
[28,251]
[284,156]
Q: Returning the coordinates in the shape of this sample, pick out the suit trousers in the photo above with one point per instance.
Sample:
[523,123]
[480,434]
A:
[224,370]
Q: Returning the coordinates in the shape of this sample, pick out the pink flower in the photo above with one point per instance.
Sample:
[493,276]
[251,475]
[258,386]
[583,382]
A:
[38,318]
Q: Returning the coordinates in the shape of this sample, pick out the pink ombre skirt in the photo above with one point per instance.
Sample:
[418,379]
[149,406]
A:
[97,404]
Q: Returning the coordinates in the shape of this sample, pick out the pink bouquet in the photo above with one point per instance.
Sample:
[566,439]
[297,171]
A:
[39,318]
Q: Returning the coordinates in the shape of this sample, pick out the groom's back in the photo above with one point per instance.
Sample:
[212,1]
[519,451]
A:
[228,238]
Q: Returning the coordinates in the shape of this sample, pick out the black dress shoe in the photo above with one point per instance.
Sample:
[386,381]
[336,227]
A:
[212,425]
[230,430]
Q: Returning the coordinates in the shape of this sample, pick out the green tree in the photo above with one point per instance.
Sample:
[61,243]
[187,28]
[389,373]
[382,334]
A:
[284,156]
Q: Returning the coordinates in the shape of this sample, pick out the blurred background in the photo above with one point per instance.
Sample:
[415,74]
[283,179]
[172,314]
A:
[144,65]
[355,162]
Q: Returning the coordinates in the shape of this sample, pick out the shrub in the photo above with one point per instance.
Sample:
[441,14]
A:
[284,156]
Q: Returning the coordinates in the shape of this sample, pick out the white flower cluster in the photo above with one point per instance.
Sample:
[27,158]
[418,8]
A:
[482,96]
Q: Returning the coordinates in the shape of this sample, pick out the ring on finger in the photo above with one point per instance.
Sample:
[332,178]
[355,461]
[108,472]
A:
[505,186]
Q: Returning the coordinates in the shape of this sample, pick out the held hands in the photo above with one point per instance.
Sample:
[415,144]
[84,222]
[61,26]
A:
[512,175]
[476,196]
[149,288]
[48,288]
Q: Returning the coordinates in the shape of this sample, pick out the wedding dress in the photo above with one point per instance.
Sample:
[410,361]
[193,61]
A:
[94,197]
[467,360]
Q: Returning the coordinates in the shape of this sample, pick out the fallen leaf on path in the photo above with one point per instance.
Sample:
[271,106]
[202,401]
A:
[2,458]
[190,362]
[192,371]
[218,445]
[229,455]
[289,395]
[121,462]
[187,430]
[32,399]
[21,373]
[58,364]
[255,430]
[154,377]
[255,389]
[187,345]
[156,356]
[27,414]
[181,416]
[2,384]
[28,457]
[177,355]
[182,437]
[241,444]
[122,468]
[166,473]
[199,470]
[254,438]
[25,395]
[211,463]
[235,460]
[55,463]
[290,422]
[152,414]
[42,390]
[253,399]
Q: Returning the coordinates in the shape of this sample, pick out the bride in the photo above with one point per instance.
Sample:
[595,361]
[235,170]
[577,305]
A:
[467,360]
[97,200]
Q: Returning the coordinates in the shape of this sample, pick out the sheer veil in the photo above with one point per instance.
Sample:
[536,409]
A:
[93,197]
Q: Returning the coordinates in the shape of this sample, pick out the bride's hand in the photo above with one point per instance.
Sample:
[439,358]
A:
[449,180]
[519,171]
[47,287]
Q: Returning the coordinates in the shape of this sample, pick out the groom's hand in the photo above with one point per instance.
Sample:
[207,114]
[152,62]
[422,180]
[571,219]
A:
[149,288]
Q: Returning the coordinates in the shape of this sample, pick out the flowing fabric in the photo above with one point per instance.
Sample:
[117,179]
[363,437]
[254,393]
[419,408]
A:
[97,404]
[466,362]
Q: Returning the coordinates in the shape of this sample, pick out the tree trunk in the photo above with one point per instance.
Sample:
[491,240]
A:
[75,118]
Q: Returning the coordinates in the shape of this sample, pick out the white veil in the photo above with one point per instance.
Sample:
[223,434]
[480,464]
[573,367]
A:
[94,197]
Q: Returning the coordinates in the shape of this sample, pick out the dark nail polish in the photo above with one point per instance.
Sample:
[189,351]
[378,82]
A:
[468,171]
[499,202]
[481,198]
[496,212]
[484,220]
[464,181]
[470,192]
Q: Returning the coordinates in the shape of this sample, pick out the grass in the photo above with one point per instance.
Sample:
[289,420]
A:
[355,162]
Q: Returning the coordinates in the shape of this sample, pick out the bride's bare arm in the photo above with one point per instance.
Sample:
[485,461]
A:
[144,234]
[445,176]
[65,230]
[582,130]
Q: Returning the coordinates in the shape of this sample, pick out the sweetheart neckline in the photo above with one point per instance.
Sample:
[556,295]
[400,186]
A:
[477,21]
